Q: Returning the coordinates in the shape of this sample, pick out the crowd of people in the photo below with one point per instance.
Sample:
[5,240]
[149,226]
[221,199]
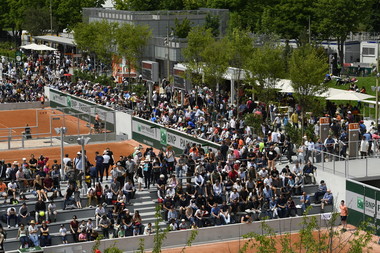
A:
[241,182]
[195,189]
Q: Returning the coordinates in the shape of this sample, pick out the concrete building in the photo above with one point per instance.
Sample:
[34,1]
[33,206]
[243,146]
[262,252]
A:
[161,24]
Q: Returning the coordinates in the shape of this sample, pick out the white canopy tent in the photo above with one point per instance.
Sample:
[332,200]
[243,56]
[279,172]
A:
[285,86]
[37,47]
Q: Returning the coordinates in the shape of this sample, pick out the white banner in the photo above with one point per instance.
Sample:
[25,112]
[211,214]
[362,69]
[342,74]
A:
[362,204]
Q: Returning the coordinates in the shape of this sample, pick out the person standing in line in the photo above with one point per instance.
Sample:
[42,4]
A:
[343,215]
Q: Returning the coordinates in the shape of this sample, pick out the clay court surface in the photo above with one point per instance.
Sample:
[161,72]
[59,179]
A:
[119,148]
[41,121]
[233,246]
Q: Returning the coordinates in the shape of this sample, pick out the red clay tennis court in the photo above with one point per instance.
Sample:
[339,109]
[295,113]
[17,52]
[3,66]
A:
[41,121]
[233,246]
[119,148]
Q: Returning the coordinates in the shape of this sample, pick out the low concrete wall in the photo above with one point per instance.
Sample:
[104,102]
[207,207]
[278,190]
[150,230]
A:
[336,183]
[23,106]
[179,238]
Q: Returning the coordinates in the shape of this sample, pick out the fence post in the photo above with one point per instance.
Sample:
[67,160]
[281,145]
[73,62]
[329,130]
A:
[346,169]
[323,160]
[22,140]
[105,130]
[9,142]
[334,164]
[366,166]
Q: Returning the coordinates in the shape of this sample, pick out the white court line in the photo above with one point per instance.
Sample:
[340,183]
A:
[5,126]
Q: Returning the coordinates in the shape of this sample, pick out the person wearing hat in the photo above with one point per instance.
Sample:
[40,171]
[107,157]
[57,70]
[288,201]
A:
[33,234]
[78,163]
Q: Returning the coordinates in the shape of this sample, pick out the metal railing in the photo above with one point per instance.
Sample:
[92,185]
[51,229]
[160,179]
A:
[349,167]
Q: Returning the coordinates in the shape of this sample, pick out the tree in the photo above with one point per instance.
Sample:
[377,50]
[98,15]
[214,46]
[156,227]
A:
[307,70]
[290,19]
[337,18]
[131,40]
[137,5]
[68,13]
[197,39]
[215,57]
[241,46]
[182,28]
[96,38]
[311,238]
[35,20]
[212,23]
[265,68]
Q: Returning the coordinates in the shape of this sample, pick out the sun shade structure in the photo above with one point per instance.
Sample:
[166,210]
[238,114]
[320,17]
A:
[37,47]
[349,96]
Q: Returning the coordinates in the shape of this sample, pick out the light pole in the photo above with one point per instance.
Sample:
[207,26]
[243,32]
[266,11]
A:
[62,131]
[51,18]
[83,141]
[377,88]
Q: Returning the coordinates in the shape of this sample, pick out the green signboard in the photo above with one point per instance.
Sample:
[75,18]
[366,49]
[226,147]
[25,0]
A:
[157,136]
[85,110]
[363,202]
[163,136]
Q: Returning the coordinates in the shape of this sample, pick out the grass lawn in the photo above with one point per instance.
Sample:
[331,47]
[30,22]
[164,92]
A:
[367,82]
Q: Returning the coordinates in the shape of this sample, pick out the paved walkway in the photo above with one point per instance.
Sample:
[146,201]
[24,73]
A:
[358,168]
[34,143]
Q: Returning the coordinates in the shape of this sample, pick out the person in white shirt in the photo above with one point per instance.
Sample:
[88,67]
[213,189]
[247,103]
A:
[63,234]
[66,159]
[12,188]
[263,172]
[12,214]
[234,195]
[310,146]
[106,163]
[296,169]
[52,211]
[364,145]
[99,212]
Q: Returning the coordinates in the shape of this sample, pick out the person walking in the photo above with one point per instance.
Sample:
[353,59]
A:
[343,215]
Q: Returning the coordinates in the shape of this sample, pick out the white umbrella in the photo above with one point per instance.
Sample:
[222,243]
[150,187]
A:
[349,95]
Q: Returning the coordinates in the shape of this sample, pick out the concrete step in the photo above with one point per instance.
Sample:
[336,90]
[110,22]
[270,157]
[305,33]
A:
[316,208]
[12,244]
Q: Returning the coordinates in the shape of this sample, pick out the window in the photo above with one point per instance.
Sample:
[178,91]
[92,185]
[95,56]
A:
[368,51]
